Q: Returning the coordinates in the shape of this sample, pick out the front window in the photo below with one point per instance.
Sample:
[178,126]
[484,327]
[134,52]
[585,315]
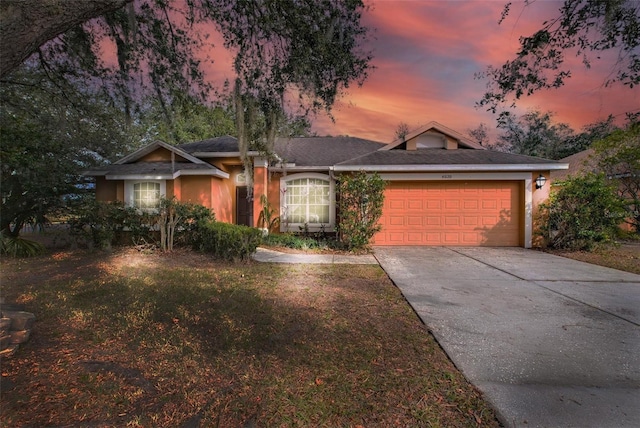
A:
[146,195]
[307,201]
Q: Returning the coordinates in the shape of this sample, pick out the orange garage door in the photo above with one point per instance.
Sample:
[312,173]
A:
[469,213]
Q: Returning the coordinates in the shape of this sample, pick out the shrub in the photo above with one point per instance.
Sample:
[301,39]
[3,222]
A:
[583,213]
[361,200]
[102,222]
[299,242]
[19,247]
[178,221]
[227,241]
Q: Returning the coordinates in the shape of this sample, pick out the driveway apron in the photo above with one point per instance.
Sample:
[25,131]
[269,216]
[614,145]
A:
[551,342]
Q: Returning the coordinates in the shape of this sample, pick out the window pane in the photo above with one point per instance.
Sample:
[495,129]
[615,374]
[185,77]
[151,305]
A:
[307,201]
[146,195]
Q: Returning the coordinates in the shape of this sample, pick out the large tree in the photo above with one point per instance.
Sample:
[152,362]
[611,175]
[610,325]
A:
[584,28]
[306,52]
[309,49]
[46,141]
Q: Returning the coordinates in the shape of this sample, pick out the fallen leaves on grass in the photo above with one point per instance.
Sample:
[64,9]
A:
[133,339]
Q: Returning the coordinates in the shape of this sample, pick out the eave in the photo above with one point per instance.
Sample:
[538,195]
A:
[452,167]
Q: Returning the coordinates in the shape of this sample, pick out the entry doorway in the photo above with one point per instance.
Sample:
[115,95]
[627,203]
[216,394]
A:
[244,207]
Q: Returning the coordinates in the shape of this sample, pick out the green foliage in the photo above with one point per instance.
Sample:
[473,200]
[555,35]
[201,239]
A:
[105,223]
[310,50]
[101,223]
[361,199]
[177,219]
[45,144]
[582,213]
[583,28]
[190,121]
[266,219]
[300,242]
[227,241]
[20,247]
[533,134]
[618,156]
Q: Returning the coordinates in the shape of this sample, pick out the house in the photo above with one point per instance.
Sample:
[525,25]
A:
[579,164]
[443,189]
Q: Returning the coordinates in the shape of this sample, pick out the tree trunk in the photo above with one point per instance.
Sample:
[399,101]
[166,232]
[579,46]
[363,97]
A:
[25,25]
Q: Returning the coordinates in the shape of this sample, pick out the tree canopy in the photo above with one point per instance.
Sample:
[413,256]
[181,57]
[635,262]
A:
[536,134]
[46,141]
[124,65]
[586,28]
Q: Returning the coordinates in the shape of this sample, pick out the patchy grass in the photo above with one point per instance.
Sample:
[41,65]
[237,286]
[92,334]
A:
[624,257]
[139,340]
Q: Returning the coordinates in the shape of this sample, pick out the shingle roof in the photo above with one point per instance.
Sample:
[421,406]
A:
[443,157]
[303,151]
[226,144]
[323,151]
[579,163]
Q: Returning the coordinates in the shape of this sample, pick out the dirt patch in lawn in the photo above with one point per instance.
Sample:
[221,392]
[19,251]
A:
[180,340]
[625,256]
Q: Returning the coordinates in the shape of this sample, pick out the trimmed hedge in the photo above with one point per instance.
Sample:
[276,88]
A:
[227,241]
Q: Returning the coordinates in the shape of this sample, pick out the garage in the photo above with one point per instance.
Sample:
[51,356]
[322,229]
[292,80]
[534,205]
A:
[463,213]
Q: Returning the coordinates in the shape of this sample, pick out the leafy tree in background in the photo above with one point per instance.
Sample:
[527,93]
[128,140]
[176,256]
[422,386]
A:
[584,28]
[533,134]
[618,156]
[192,121]
[585,139]
[46,141]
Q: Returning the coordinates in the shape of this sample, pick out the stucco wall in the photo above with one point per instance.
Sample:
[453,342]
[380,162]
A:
[222,200]
[539,196]
[160,155]
[107,191]
[195,189]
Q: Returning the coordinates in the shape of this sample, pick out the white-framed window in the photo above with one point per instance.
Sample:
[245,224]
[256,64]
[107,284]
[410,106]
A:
[144,194]
[307,200]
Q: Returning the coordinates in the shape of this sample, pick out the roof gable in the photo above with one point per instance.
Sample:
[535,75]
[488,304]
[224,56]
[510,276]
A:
[430,136]
[150,148]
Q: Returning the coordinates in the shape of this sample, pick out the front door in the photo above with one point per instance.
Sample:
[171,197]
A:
[244,207]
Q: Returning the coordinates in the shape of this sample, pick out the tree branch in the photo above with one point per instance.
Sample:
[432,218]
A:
[25,25]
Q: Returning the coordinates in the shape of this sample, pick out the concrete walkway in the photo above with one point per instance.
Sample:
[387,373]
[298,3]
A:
[551,342]
[270,256]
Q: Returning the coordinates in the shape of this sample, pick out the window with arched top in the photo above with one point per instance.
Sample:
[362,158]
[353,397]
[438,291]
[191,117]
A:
[307,201]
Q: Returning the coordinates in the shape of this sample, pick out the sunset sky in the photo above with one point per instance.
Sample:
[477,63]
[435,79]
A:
[426,53]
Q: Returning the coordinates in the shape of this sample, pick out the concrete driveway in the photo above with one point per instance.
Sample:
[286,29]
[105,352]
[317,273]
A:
[551,342]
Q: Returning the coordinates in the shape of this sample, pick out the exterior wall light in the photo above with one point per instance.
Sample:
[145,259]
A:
[540,181]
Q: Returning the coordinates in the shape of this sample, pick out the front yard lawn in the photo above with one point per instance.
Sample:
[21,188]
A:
[625,256]
[180,340]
